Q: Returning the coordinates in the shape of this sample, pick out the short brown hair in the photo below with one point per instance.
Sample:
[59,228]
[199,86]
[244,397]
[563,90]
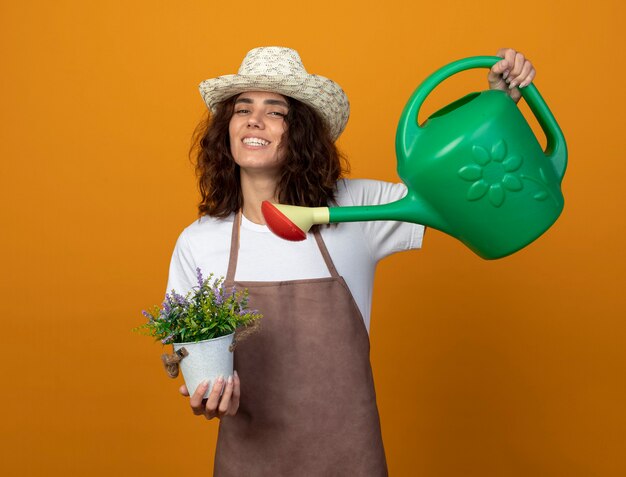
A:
[308,175]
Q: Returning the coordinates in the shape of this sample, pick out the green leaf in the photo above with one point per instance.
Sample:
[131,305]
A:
[496,195]
[512,163]
[481,156]
[512,183]
[471,173]
[477,190]
[498,151]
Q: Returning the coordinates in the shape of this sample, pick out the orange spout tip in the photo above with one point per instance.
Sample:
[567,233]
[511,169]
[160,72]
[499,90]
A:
[279,224]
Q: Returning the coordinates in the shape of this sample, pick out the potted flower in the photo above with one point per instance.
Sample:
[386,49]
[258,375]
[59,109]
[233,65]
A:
[203,327]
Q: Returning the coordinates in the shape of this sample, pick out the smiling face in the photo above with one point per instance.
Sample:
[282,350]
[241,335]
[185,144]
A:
[256,129]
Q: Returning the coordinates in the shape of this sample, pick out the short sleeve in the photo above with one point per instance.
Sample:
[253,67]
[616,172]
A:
[383,237]
[182,274]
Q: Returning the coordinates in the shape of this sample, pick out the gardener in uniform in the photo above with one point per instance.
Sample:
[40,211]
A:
[303,395]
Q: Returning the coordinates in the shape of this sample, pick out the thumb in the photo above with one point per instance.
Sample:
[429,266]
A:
[498,73]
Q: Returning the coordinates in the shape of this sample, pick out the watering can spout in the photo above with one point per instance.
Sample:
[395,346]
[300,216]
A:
[293,222]
[410,208]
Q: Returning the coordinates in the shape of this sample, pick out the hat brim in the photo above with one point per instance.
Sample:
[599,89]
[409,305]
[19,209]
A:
[322,94]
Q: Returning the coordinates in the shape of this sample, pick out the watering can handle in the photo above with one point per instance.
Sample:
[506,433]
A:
[556,149]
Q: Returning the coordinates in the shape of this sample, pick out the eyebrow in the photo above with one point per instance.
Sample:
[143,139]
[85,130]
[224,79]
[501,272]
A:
[272,102]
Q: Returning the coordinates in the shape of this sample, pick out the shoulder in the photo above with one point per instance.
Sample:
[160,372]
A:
[206,235]
[207,227]
[368,191]
[383,237]
[204,244]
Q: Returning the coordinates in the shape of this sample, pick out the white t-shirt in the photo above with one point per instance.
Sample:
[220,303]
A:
[355,247]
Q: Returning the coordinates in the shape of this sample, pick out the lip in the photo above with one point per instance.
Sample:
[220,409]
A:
[252,136]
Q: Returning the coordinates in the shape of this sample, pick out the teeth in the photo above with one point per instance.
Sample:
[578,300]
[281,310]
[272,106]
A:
[255,141]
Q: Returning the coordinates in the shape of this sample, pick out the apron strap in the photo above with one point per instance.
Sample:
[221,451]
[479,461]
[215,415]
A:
[325,254]
[234,252]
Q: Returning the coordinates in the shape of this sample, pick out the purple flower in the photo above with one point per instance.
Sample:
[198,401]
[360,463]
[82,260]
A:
[147,315]
[199,275]
[219,295]
[178,299]
[167,339]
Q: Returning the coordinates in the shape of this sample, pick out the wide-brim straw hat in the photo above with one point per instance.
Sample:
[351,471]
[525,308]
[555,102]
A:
[280,70]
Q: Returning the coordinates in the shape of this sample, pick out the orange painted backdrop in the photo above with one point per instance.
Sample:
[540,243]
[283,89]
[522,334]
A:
[506,368]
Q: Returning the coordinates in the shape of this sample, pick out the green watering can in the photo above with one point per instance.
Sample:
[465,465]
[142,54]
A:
[474,170]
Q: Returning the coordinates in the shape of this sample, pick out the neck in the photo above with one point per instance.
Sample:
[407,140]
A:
[256,189]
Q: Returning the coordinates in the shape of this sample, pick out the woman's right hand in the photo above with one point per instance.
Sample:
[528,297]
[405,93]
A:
[513,70]
[214,406]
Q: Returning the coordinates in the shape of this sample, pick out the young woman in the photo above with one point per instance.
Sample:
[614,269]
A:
[302,400]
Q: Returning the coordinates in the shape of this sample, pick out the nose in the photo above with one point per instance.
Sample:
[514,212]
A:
[255,120]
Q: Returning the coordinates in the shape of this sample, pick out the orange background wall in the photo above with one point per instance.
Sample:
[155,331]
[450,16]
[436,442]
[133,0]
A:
[506,368]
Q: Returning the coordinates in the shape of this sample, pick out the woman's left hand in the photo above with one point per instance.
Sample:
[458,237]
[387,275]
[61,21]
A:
[223,400]
[512,72]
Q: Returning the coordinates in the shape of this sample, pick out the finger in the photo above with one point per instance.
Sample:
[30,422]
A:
[225,399]
[500,67]
[502,52]
[196,401]
[214,397]
[509,55]
[496,72]
[519,79]
[234,400]
[529,78]
[519,63]
[526,68]
[183,390]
